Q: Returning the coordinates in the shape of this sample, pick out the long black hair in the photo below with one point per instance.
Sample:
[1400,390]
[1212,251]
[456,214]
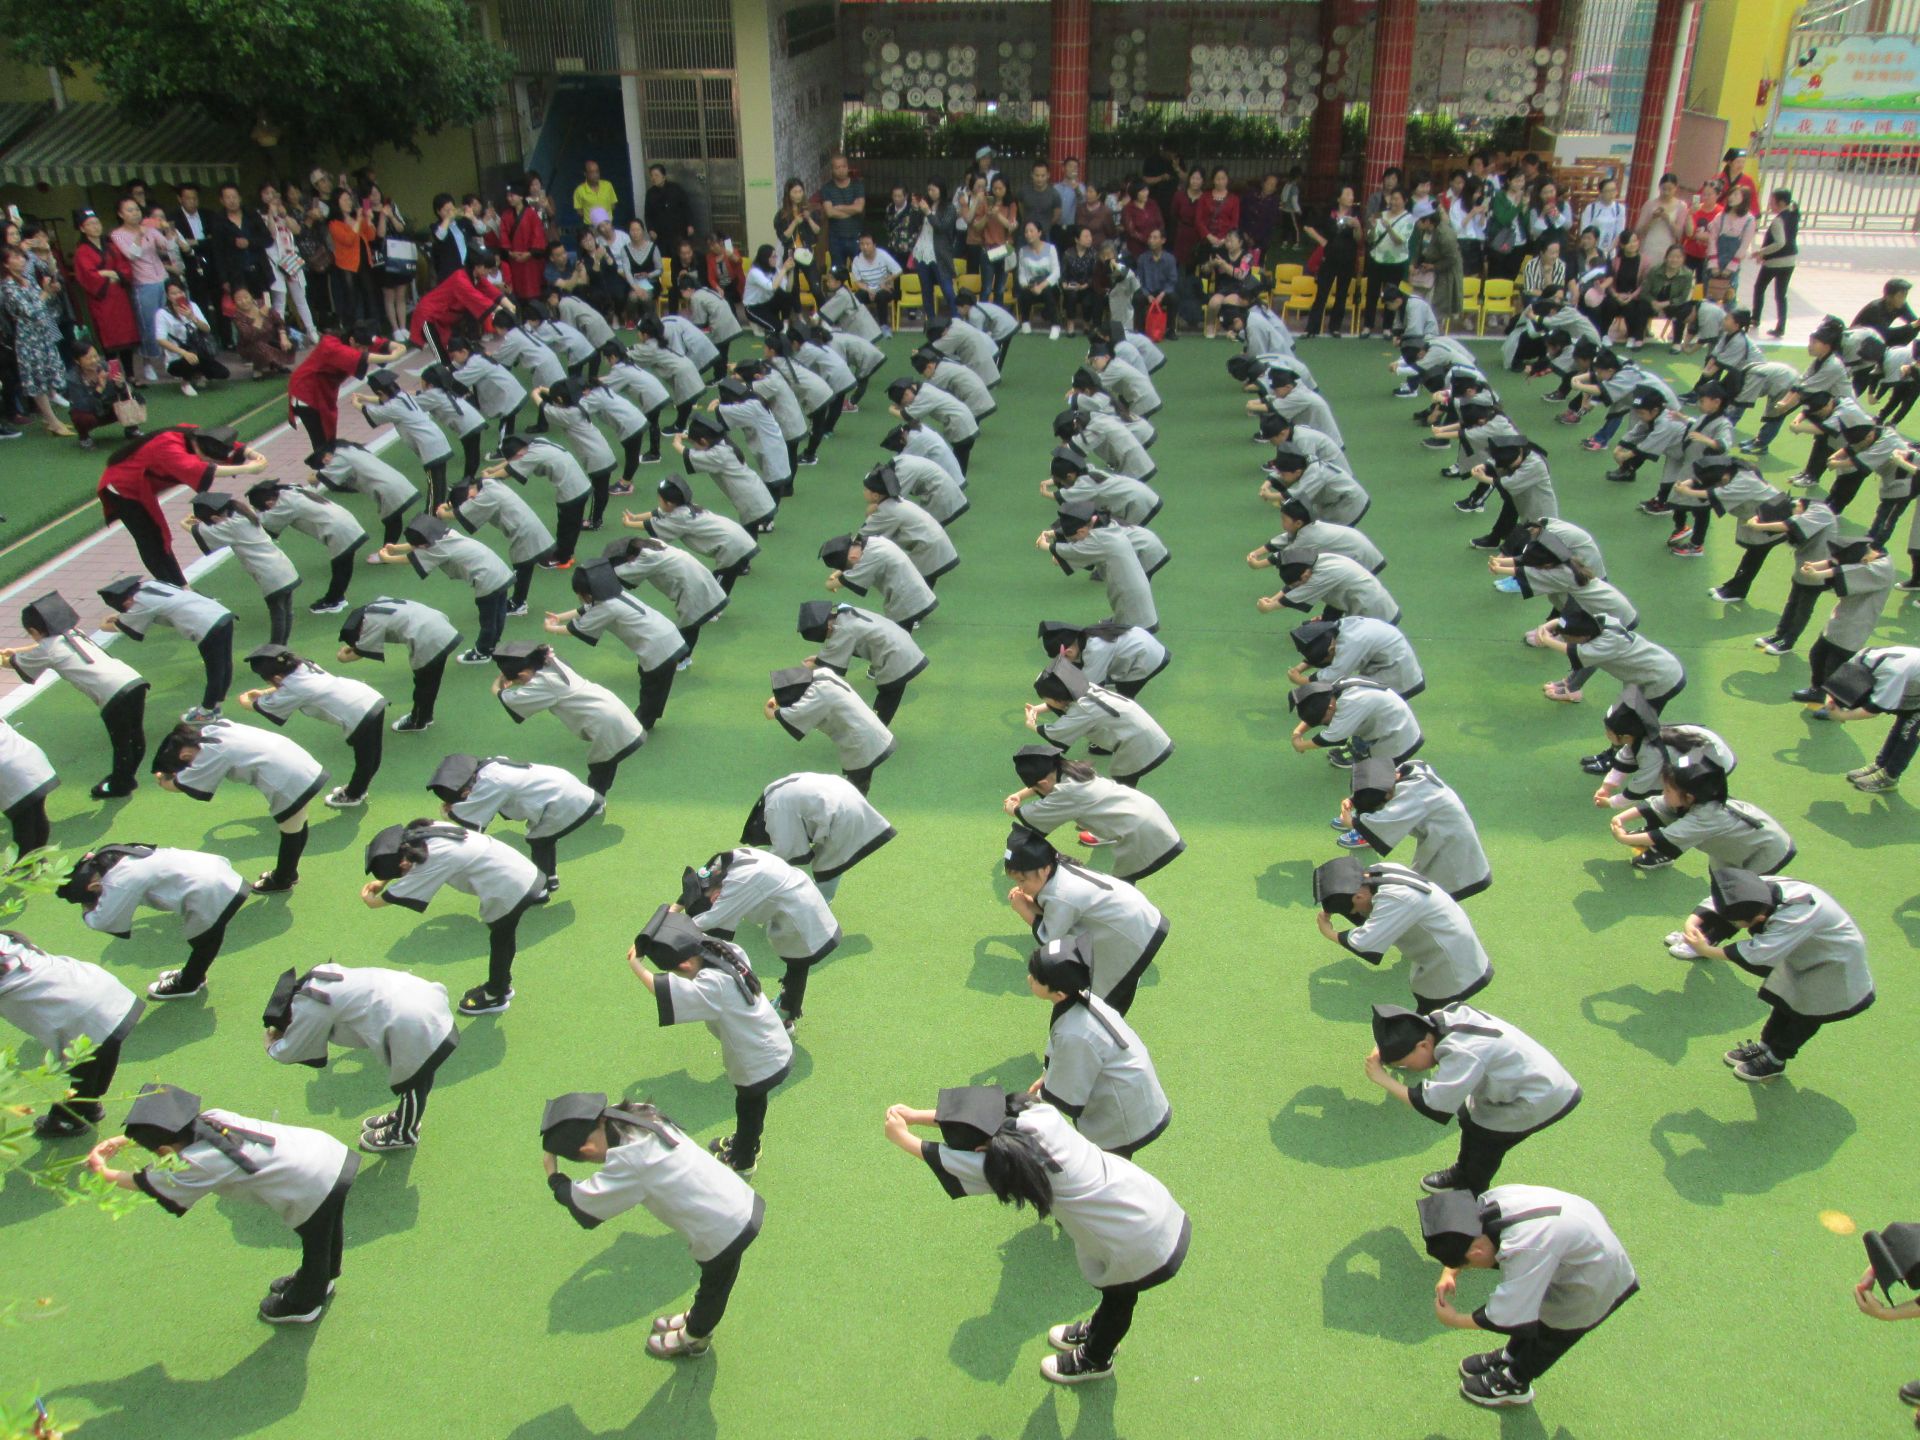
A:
[719,955]
[1016,1169]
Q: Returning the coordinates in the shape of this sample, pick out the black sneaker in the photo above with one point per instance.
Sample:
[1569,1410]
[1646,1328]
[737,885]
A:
[107,790]
[1470,506]
[279,1287]
[1807,695]
[1439,1181]
[516,612]
[722,1150]
[1910,1393]
[276,1309]
[1596,764]
[1747,1050]
[407,725]
[169,987]
[1651,860]
[61,1124]
[1483,1362]
[1434,442]
[1069,1337]
[1620,475]
[1340,757]
[1654,507]
[1452,472]
[1483,542]
[1761,1068]
[474,657]
[1073,1368]
[387,1137]
[482,1001]
[1496,1388]
[326,607]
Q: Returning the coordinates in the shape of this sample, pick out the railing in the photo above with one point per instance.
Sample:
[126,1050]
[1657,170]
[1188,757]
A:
[1846,187]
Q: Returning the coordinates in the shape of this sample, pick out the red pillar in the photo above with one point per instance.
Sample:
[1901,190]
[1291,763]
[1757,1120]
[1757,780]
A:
[1644,171]
[1067,96]
[1394,22]
[1323,138]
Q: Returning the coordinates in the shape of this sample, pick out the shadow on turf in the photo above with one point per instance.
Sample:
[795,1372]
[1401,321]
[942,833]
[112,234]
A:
[1040,1286]
[697,1105]
[1711,1000]
[1324,1126]
[384,1202]
[682,1407]
[1000,964]
[1519,1423]
[1868,828]
[1793,1132]
[1348,990]
[1095,1422]
[628,1283]
[21,1199]
[355,1083]
[1624,893]
[1287,884]
[263,1389]
[1366,1287]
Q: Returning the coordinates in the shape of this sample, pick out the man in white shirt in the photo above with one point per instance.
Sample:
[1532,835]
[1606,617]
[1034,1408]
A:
[875,275]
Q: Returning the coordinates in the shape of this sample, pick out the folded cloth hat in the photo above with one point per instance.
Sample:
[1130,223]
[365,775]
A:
[790,684]
[1062,680]
[1296,560]
[280,1003]
[815,617]
[1632,716]
[669,938]
[1336,883]
[1315,640]
[1072,519]
[837,553]
[270,662]
[970,1115]
[382,858]
[569,1121]
[1740,895]
[1449,1223]
[674,490]
[883,480]
[1027,849]
[1371,783]
[1286,459]
[425,530]
[1067,463]
[1850,686]
[119,592]
[50,615]
[1034,763]
[1397,1030]
[596,581]
[1894,1254]
[1064,965]
[1056,635]
[1312,702]
[162,1115]
[705,427]
[454,776]
[519,655]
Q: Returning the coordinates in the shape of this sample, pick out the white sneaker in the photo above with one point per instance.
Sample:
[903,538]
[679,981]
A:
[338,799]
[187,391]
[1025,328]
[1678,947]
[1054,334]
[686,664]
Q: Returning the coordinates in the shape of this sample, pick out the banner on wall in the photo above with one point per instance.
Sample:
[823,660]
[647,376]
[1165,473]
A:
[1852,87]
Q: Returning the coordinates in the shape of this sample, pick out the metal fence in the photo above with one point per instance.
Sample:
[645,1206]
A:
[1846,187]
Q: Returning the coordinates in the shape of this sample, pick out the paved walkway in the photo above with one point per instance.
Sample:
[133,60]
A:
[79,573]
[1839,271]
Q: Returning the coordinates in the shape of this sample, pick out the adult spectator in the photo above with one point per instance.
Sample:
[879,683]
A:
[1707,208]
[454,234]
[1072,195]
[798,224]
[1139,218]
[1080,298]
[1236,283]
[523,236]
[351,278]
[1507,218]
[726,271]
[1466,211]
[104,275]
[1891,315]
[1389,253]
[983,167]
[1779,252]
[1730,236]
[1186,218]
[196,246]
[186,340]
[1260,212]
[1544,271]
[843,200]
[1733,176]
[1039,202]
[1037,281]
[900,224]
[1664,220]
[999,230]
[1096,216]
[1441,266]
[1394,179]
[1337,233]
[669,212]
[562,271]
[30,301]
[875,276]
[765,296]
[1549,219]
[145,249]
[396,268]
[1159,276]
[1606,215]
[95,398]
[240,244]
[260,336]
[593,193]
[285,262]
[1669,292]
[1218,214]
[940,233]
[1626,297]
[1160,172]
[638,256]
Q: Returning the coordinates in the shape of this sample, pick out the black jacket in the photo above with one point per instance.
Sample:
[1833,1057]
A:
[444,252]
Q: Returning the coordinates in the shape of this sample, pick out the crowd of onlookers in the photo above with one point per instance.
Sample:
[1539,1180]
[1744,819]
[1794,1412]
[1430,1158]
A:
[185,292]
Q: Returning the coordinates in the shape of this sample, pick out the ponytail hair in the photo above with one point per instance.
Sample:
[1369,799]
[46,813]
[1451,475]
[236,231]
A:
[719,955]
[1581,572]
[1018,1170]
[1078,770]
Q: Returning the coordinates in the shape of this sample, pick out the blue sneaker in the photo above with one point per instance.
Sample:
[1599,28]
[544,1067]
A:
[1352,840]
[1507,585]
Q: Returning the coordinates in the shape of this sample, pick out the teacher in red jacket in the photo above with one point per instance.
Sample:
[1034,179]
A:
[140,470]
[105,277]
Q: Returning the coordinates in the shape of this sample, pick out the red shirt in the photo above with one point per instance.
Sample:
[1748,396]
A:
[317,379]
[166,459]
[525,231]
[454,298]
[1219,216]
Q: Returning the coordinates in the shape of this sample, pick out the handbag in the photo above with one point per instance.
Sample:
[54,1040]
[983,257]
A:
[802,256]
[1315,259]
[996,253]
[402,256]
[130,411]
[1154,324]
[316,251]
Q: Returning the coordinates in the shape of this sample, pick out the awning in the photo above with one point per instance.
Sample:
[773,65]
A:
[94,143]
[18,116]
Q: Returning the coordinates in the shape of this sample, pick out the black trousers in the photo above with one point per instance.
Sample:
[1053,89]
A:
[731,573]
[1122,995]
[1886,515]
[710,1298]
[569,517]
[546,856]
[1334,283]
[216,654]
[426,688]
[92,1078]
[522,583]
[819,426]
[1787,1030]
[963,450]
[204,948]
[861,779]
[1779,278]
[1047,302]
[436,483]
[410,1104]
[31,828]
[886,700]
[503,943]
[313,423]
[392,527]
[602,482]
[1798,610]
[1752,558]
[1824,658]
[470,453]
[323,1240]
[655,686]
[793,985]
[125,718]
[148,538]
[492,612]
[365,742]
[1111,1321]
[749,1124]
[1481,1151]
[340,575]
[601,775]
[280,615]
[1896,752]
[630,449]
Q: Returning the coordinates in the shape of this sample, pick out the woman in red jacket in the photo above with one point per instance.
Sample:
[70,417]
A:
[138,471]
[1186,217]
[466,294]
[313,393]
[1218,215]
[523,236]
[105,277]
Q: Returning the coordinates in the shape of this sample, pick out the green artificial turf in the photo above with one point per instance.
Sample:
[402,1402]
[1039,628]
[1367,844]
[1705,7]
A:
[872,1306]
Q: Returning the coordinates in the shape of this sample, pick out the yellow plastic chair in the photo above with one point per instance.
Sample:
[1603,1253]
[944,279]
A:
[1301,290]
[808,304]
[1285,275]
[666,274]
[908,297]
[1496,298]
[959,267]
[1470,298]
